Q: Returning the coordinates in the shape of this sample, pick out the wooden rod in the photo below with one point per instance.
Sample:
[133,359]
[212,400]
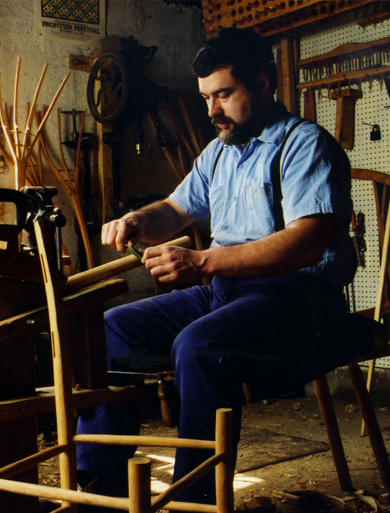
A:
[60,356]
[48,112]
[332,430]
[139,472]
[189,125]
[114,268]
[371,423]
[185,482]
[146,441]
[65,495]
[190,506]
[15,113]
[32,107]
[30,461]
[224,472]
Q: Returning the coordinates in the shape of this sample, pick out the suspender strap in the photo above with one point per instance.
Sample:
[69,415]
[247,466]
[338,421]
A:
[276,180]
[216,161]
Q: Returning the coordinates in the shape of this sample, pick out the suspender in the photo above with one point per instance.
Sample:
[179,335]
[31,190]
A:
[275,177]
[276,180]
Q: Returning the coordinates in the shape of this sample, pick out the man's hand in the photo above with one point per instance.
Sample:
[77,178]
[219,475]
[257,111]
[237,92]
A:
[153,224]
[173,263]
[130,228]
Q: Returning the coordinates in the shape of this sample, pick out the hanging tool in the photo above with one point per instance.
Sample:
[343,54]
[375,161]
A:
[359,230]
[86,146]
[345,116]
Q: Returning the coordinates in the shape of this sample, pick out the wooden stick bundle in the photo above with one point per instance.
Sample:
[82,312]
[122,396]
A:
[18,140]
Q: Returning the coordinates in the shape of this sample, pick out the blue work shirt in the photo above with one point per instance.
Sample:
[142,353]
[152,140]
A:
[239,198]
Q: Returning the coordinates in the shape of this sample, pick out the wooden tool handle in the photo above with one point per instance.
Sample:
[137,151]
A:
[102,272]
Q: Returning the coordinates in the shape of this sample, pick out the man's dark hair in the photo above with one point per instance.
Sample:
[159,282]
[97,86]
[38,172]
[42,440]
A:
[247,52]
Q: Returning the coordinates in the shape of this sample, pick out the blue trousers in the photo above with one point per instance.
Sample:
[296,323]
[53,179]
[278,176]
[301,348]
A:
[261,331]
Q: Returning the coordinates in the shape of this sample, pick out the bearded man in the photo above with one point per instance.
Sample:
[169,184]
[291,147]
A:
[278,199]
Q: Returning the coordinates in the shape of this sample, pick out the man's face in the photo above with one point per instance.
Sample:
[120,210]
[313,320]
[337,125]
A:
[233,109]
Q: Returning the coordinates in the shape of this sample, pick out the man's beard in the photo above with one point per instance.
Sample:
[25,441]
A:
[241,132]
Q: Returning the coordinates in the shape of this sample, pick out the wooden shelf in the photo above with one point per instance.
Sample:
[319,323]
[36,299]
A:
[268,17]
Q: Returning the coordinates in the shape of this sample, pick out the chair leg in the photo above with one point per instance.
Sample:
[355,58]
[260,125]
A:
[370,420]
[332,430]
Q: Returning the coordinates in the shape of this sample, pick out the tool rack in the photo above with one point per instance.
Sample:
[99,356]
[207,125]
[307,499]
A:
[270,17]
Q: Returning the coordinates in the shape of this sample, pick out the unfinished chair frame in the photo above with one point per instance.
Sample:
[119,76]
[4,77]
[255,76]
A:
[361,389]
[139,500]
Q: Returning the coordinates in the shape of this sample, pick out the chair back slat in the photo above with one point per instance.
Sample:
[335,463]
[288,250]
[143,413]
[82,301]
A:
[381,190]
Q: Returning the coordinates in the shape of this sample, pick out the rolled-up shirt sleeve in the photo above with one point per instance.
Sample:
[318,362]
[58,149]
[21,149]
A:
[192,195]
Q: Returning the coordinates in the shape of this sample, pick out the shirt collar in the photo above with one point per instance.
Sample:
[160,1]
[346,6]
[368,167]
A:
[274,129]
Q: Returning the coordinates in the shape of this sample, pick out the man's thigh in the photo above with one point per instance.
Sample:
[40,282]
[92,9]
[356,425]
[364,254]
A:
[140,334]
[264,334]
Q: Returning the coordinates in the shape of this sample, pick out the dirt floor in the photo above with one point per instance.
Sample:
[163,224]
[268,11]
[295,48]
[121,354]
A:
[287,440]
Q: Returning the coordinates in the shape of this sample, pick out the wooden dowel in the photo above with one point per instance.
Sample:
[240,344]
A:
[178,128]
[32,108]
[114,268]
[185,482]
[166,150]
[16,88]
[30,461]
[189,125]
[191,506]
[332,430]
[50,108]
[371,423]
[224,472]
[64,495]
[146,441]
[4,125]
[139,470]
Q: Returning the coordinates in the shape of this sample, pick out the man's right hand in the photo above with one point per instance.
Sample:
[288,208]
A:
[153,224]
[128,228]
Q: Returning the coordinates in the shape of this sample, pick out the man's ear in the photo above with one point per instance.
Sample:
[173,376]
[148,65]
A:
[263,82]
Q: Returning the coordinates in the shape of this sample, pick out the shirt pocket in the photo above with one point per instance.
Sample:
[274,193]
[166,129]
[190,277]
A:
[256,206]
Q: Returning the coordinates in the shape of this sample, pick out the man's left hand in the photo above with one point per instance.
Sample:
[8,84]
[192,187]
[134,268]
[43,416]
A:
[173,263]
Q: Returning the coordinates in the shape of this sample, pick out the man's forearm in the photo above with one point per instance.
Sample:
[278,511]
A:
[164,220]
[300,245]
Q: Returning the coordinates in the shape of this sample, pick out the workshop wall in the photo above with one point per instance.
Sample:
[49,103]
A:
[371,109]
[175,30]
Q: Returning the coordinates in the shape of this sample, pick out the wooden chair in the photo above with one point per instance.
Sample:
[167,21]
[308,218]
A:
[380,184]
[66,401]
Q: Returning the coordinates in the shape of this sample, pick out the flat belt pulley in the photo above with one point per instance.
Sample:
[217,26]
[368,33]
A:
[118,94]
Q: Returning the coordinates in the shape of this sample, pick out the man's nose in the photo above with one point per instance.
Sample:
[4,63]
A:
[214,107]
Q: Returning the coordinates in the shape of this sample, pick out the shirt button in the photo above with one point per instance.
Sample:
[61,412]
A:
[224,227]
[234,198]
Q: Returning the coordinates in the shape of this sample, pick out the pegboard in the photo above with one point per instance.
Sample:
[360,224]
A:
[366,154]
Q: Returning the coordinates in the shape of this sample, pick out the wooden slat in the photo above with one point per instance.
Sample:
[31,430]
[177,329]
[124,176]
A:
[94,294]
[43,401]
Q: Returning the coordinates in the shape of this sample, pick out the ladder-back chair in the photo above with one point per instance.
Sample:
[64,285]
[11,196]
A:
[380,184]
[139,500]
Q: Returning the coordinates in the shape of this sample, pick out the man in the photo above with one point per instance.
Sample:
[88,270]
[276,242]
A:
[280,255]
